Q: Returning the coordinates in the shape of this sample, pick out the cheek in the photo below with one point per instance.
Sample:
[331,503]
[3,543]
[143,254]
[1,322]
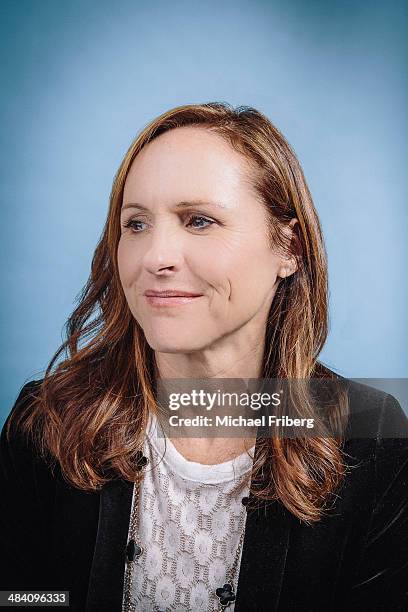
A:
[127,263]
[211,264]
[251,270]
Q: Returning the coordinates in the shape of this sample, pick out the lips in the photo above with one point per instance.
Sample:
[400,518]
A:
[170,293]
[170,297]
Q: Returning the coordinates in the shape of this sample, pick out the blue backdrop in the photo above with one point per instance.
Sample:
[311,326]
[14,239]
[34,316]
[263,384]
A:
[81,78]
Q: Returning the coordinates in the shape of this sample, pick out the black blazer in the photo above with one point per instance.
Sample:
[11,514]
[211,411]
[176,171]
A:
[54,536]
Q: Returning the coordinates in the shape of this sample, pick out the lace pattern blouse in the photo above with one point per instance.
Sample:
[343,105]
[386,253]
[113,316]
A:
[189,524]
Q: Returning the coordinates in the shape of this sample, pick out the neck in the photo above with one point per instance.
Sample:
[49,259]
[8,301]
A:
[212,363]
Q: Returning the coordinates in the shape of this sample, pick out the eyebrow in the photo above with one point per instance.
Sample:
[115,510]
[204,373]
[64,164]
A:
[186,204]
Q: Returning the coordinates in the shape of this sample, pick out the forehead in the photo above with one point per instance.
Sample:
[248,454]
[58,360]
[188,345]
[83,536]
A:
[187,161]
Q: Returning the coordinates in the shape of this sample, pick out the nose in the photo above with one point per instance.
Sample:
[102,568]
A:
[163,253]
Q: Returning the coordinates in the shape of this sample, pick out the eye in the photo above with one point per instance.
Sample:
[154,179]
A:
[197,217]
[134,224]
[131,224]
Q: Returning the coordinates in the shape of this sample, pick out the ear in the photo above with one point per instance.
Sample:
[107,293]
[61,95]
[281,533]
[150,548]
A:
[288,264]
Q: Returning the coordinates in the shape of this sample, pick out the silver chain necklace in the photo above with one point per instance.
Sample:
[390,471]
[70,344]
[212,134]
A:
[226,593]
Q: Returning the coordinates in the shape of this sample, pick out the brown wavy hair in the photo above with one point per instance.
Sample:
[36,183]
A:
[90,411]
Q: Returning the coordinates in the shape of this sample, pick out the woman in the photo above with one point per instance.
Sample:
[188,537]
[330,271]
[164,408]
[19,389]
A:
[211,266]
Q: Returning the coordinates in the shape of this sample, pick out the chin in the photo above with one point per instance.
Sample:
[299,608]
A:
[177,344]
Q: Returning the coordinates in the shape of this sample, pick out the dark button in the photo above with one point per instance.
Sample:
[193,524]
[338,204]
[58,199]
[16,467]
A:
[141,460]
[245,501]
[133,550]
[225,594]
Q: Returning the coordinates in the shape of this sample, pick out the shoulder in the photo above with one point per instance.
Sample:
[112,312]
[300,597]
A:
[28,490]
[371,412]
[374,413]
[376,443]
[27,395]
[376,434]
[18,453]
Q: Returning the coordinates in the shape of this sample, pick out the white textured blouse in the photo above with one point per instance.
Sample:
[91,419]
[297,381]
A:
[190,521]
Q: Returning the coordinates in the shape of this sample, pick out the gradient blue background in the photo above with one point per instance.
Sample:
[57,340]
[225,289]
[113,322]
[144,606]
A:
[81,78]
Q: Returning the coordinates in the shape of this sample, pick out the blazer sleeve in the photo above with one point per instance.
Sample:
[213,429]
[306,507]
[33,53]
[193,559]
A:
[24,504]
[382,581]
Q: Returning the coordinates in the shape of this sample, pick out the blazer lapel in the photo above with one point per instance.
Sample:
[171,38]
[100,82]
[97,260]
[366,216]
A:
[105,590]
[264,552]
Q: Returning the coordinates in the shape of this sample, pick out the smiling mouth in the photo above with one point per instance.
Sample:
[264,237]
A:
[174,300]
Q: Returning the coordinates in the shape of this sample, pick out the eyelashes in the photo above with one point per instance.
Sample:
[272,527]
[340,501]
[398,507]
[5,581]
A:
[131,223]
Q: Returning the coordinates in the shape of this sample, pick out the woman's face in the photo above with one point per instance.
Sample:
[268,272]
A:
[191,222]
